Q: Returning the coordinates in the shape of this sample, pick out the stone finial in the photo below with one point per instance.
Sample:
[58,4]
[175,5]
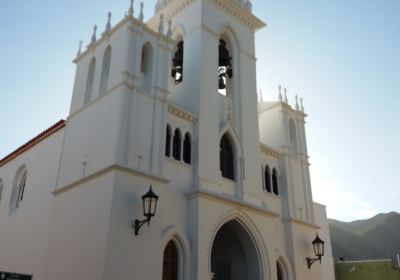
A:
[141,15]
[261,96]
[108,25]
[131,11]
[297,102]
[94,34]
[169,32]
[280,93]
[161,24]
[301,104]
[79,52]
[285,99]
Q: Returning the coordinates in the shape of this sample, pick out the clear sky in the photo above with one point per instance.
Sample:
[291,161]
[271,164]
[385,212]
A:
[342,57]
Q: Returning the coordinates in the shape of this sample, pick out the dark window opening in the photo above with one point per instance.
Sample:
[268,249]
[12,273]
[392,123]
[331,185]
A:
[279,271]
[177,64]
[187,149]
[224,66]
[144,60]
[275,181]
[168,142]
[176,149]
[170,262]
[267,176]
[226,158]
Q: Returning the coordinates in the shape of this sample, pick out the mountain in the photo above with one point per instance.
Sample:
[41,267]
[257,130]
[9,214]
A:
[374,238]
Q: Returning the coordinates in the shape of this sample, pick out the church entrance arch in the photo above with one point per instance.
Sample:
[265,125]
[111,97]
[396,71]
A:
[234,255]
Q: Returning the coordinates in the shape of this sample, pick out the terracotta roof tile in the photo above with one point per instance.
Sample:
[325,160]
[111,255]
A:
[31,143]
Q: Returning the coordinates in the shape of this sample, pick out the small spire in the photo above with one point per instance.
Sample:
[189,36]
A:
[131,11]
[301,104]
[79,52]
[297,102]
[94,34]
[169,32]
[280,93]
[108,25]
[261,96]
[285,95]
[141,15]
[161,25]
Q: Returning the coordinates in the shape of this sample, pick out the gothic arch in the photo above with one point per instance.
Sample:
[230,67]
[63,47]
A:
[251,229]
[147,65]
[19,187]
[105,70]
[90,81]
[173,233]
[285,267]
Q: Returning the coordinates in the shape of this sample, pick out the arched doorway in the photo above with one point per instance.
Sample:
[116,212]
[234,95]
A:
[234,255]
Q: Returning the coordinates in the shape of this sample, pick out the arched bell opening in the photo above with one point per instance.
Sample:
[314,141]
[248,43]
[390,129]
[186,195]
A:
[234,255]
[225,68]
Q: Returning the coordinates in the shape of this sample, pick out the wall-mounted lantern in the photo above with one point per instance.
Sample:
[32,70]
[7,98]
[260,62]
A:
[149,201]
[318,246]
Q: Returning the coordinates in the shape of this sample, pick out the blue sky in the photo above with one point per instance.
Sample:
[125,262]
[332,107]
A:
[342,57]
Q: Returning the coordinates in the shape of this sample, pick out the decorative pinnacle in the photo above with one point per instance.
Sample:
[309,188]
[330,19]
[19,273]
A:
[79,52]
[301,104]
[161,25]
[94,34]
[131,11]
[285,95]
[297,102]
[261,96]
[108,25]
[141,15]
[169,32]
[280,93]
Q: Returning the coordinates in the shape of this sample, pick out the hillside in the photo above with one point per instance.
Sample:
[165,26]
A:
[374,238]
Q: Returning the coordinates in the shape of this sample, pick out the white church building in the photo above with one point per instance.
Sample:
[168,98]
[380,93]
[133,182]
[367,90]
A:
[169,103]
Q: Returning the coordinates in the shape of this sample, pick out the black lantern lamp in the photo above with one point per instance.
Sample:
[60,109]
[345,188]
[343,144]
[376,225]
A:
[318,246]
[149,201]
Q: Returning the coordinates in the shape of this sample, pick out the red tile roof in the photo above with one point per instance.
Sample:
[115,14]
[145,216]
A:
[31,143]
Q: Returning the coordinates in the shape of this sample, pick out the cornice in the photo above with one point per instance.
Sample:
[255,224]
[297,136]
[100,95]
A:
[111,168]
[240,13]
[230,200]
[181,113]
[269,151]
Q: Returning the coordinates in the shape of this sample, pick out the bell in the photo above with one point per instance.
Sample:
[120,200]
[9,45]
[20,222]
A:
[221,81]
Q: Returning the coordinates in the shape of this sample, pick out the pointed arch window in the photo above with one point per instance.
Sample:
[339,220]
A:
[267,178]
[293,140]
[279,271]
[90,81]
[177,143]
[144,64]
[275,181]
[226,156]
[177,63]
[170,262]
[19,187]
[187,148]
[225,70]
[168,141]
[105,71]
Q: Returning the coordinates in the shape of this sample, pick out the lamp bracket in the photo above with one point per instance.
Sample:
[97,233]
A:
[310,261]
[137,224]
